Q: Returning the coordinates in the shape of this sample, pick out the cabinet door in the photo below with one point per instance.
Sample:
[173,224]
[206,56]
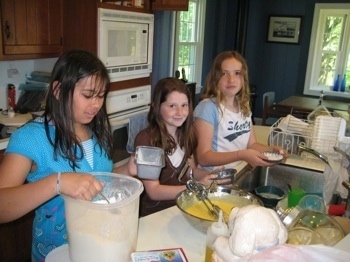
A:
[175,5]
[31,27]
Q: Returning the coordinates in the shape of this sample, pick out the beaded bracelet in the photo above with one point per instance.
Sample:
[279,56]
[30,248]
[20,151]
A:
[58,183]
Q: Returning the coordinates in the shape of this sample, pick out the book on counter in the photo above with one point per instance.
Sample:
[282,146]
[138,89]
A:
[160,255]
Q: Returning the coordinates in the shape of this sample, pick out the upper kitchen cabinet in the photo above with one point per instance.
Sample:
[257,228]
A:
[127,5]
[150,5]
[175,5]
[80,24]
[30,29]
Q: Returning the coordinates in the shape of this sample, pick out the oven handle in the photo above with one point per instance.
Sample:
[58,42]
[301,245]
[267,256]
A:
[116,124]
[121,122]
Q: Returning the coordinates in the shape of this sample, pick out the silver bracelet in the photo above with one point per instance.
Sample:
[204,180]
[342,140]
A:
[58,183]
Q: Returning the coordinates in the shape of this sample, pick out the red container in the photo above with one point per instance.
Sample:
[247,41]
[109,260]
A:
[11,95]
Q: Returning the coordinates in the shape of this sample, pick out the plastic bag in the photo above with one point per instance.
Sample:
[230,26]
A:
[294,253]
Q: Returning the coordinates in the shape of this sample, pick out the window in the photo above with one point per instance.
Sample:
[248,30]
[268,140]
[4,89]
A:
[329,53]
[188,48]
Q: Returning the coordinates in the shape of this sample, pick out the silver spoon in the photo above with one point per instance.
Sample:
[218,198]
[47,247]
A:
[104,197]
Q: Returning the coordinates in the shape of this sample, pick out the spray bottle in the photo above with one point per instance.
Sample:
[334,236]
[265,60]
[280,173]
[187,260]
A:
[215,230]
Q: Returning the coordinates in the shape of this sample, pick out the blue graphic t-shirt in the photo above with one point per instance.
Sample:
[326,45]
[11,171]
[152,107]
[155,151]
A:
[231,130]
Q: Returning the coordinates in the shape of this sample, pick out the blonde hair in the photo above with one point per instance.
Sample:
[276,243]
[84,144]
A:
[211,85]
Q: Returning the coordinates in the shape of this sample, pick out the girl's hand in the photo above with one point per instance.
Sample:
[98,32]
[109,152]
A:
[280,150]
[254,158]
[210,177]
[80,185]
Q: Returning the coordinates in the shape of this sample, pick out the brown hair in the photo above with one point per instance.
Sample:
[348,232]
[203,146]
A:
[158,131]
[211,84]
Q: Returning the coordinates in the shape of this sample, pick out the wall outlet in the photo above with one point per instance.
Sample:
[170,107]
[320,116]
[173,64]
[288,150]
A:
[12,73]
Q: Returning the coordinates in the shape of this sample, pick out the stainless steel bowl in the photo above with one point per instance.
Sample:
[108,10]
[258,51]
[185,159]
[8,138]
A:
[226,173]
[238,197]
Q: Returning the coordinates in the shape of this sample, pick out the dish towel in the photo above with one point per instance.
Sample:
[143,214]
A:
[136,124]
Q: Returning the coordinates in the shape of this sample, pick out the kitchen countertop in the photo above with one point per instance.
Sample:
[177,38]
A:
[169,228]
[18,120]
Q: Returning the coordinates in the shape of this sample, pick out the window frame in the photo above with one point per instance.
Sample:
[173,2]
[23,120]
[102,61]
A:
[311,86]
[199,43]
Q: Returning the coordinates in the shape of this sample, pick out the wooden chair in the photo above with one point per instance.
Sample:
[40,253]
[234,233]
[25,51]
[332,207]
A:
[272,111]
[268,109]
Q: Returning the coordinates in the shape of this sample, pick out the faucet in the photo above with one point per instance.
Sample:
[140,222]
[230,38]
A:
[337,149]
[302,148]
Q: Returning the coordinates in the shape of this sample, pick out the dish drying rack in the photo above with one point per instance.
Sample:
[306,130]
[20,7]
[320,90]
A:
[321,135]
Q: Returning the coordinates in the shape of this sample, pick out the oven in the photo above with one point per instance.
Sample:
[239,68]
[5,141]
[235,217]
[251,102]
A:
[122,106]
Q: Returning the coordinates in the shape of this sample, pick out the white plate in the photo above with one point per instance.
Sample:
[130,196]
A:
[60,254]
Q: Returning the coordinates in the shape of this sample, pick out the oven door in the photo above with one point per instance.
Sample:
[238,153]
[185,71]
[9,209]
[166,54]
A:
[120,129]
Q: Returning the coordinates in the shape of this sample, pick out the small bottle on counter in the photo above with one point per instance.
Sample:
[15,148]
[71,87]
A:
[215,230]
[11,95]
[343,84]
[10,113]
[336,83]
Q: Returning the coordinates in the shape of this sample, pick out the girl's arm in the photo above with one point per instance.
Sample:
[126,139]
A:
[253,144]
[207,157]
[18,199]
[160,192]
[132,168]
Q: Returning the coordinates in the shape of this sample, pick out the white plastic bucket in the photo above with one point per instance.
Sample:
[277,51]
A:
[98,231]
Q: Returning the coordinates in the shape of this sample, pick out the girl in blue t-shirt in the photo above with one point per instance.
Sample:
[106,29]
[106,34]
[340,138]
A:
[55,152]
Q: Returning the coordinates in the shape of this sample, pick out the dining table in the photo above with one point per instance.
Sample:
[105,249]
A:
[308,104]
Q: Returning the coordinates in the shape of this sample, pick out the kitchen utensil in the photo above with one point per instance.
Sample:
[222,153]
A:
[312,202]
[294,196]
[310,227]
[99,230]
[183,172]
[202,194]
[224,173]
[104,197]
[223,196]
[149,161]
[273,156]
[269,195]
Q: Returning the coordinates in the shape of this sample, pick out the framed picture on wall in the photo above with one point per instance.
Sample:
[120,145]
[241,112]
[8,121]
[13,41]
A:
[284,29]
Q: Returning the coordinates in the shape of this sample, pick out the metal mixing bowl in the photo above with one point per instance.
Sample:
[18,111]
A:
[225,173]
[238,197]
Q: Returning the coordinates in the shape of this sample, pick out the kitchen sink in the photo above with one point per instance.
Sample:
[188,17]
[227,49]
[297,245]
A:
[312,181]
